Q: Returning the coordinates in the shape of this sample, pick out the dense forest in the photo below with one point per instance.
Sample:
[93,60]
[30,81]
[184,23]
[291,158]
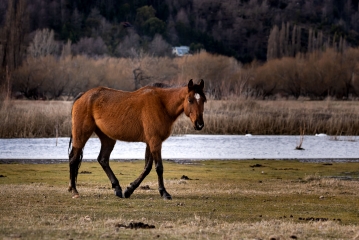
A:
[246,30]
[238,28]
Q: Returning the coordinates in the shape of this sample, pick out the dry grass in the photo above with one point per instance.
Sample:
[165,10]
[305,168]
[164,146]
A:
[225,200]
[23,119]
[41,118]
[277,117]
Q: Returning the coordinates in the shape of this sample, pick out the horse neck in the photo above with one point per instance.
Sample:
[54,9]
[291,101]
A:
[173,100]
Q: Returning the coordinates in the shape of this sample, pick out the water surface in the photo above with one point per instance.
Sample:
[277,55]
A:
[194,147]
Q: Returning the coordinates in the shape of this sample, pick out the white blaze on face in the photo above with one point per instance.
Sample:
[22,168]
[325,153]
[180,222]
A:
[197,97]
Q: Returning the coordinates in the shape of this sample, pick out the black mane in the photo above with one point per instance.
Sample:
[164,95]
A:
[196,88]
[160,85]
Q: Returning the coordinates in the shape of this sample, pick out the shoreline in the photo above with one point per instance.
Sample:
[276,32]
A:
[181,161]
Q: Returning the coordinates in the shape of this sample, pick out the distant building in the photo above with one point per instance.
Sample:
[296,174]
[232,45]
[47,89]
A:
[180,51]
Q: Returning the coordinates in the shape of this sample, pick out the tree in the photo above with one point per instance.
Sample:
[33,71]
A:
[12,38]
[159,47]
[66,49]
[13,35]
[147,21]
[153,26]
[43,44]
[90,47]
[129,46]
[273,44]
[143,14]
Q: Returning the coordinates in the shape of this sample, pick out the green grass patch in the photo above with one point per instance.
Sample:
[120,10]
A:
[222,199]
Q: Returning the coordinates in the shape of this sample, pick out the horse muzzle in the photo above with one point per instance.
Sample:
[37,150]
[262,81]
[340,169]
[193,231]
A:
[198,125]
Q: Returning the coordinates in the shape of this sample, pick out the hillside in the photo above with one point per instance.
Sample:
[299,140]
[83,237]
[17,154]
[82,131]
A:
[238,28]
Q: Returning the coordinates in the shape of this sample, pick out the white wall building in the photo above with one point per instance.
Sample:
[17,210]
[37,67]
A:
[180,51]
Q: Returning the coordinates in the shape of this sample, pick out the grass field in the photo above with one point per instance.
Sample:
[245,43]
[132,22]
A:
[254,199]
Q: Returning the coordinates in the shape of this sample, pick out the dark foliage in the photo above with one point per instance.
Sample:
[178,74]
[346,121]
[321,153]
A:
[233,28]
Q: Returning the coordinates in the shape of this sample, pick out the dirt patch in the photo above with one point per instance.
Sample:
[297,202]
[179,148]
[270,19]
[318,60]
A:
[256,165]
[145,187]
[318,219]
[184,177]
[135,225]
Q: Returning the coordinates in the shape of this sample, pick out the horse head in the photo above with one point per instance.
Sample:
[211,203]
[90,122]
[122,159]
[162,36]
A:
[194,104]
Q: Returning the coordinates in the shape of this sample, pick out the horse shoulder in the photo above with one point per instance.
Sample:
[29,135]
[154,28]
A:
[155,118]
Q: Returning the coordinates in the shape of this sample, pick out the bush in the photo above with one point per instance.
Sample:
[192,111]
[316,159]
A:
[316,75]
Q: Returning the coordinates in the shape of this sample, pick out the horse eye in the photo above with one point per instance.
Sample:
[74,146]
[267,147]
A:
[190,100]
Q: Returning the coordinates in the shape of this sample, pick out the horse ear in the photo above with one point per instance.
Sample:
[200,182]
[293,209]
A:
[201,84]
[190,84]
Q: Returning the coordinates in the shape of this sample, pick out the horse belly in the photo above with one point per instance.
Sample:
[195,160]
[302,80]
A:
[128,131]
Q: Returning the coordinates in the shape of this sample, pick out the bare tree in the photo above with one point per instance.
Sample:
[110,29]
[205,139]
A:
[182,16]
[159,47]
[43,44]
[273,44]
[90,47]
[66,49]
[12,35]
[283,41]
[127,48]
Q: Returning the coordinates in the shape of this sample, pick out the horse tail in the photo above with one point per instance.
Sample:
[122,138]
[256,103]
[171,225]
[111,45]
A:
[68,150]
[76,98]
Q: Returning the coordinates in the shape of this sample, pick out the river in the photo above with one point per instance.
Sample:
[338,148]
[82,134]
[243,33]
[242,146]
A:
[192,147]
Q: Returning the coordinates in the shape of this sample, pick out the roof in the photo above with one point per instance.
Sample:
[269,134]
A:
[180,51]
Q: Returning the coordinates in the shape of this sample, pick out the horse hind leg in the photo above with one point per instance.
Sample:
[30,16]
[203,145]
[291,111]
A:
[148,166]
[79,137]
[75,159]
[107,145]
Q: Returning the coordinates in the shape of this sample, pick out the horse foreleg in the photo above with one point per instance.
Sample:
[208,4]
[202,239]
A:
[148,166]
[75,158]
[103,159]
[107,145]
[159,169]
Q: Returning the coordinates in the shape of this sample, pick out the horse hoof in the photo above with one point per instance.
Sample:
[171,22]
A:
[164,194]
[127,193]
[167,196]
[76,196]
[119,194]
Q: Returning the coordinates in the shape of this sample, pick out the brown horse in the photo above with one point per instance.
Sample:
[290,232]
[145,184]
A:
[146,115]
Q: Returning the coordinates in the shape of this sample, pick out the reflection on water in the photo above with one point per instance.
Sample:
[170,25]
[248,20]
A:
[195,147]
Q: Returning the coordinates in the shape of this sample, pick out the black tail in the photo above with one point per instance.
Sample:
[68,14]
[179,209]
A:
[76,98]
[68,150]
[74,170]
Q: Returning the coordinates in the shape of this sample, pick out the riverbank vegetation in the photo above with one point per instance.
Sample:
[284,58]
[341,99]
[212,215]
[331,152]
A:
[320,75]
[314,76]
[255,199]
[23,118]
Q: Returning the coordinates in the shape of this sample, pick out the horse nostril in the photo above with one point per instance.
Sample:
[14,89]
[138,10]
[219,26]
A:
[199,126]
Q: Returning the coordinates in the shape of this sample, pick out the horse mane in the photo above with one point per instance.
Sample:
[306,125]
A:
[160,85]
[196,88]
[78,96]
